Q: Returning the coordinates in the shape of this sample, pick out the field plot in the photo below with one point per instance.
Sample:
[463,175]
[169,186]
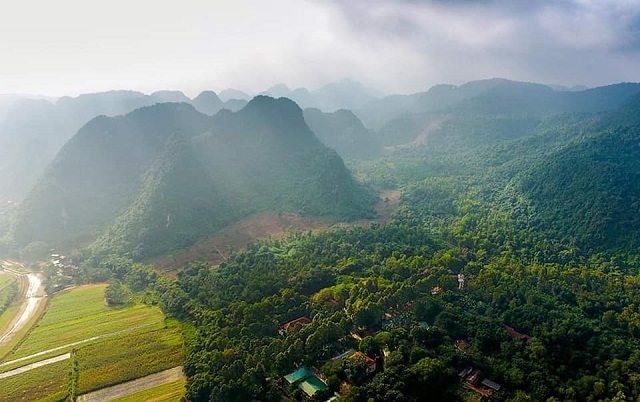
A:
[47,383]
[8,290]
[111,346]
[170,392]
[130,356]
[80,314]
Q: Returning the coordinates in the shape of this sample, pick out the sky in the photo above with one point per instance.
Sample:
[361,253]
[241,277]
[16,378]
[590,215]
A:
[67,47]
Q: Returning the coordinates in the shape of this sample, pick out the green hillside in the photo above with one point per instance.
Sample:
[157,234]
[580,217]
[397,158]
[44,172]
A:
[589,193]
[344,132]
[164,176]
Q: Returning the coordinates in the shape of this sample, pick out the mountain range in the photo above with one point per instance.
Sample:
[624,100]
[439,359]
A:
[165,171]
[32,131]
[161,177]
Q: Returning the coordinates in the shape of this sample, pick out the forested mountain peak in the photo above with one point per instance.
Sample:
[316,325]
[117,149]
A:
[344,132]
[208,102]
[120,175]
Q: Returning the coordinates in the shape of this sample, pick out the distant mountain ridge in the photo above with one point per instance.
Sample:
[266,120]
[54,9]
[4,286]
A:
[344,132]
[345,94]
[164,176]
[511,108]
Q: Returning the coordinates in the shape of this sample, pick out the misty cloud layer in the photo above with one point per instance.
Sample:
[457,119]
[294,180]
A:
[71,46]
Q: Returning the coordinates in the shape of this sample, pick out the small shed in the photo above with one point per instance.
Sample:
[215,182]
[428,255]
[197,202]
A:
[491,384]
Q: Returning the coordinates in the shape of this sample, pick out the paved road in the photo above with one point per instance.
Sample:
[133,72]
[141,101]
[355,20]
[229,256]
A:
[32,366]
[131,387]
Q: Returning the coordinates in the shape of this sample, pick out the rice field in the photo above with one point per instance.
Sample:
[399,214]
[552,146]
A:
[138,342]
[80,314]
[170,392]
[125,358]
[47,383]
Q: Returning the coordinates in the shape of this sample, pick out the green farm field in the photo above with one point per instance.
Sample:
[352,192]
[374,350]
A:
[47,383]
[80,314]
[8,290]
[129,356]
[138,342]
[170,392]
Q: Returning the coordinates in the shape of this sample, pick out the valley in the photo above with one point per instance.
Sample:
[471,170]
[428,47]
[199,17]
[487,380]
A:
[480,244]
[267,225]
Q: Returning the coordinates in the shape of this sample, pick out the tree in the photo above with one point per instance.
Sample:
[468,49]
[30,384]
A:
[116,294]
[369,346]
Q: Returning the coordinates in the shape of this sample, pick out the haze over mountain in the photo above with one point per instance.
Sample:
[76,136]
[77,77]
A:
[164,176]
[338,203]
[33,130]
[402,118]
[344,132]
[345,94]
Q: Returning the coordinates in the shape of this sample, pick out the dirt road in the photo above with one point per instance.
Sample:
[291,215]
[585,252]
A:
[33,295]
[131,387]
[69,345]
[32,366]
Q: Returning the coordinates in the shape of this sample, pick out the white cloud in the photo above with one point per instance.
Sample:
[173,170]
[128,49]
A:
[72,46]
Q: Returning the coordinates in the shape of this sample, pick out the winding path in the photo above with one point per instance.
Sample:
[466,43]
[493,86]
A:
[34,296]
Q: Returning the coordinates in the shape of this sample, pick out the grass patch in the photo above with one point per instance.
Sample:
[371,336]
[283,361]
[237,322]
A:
[5,279]
[79,314]
[128,357]
[47,383]
[8,291]
[169,392]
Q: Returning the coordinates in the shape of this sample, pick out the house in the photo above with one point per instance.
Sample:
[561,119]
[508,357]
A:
[306,380]
[298,321]
[298,375]
[370,363]
[465,373]
[344,355]
[474,378]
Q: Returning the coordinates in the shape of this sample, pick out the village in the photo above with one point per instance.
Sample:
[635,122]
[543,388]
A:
[312,381]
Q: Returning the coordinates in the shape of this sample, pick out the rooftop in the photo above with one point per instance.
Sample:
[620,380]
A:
[301,321]
[312,385]
[298,375]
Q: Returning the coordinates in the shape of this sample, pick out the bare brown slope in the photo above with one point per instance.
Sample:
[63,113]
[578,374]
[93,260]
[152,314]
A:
[264,226]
